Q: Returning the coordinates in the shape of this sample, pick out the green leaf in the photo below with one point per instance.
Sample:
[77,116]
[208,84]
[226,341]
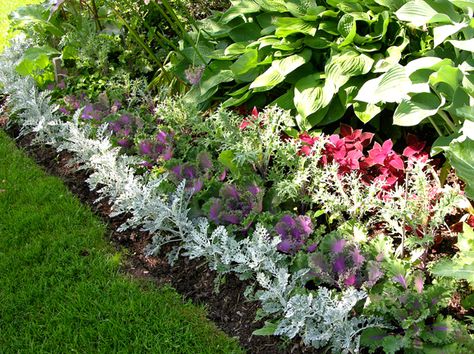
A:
[391,86]
[447,79]
[461,157]
[347,28]
[341,67]
[267,330]
[412,111]
[246,64]
[467,45]
[286,26]
[420,13]
[278,71]
[310,95]
[240,8]
[366,111]
[249,31]
[441,33]
[34,59]
[226,158]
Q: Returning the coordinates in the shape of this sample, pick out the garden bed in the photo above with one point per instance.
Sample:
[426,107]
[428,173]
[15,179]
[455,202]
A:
[305,150]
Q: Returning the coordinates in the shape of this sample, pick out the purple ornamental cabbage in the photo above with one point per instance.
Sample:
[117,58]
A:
[345,266]
[294,232]
[160,148]
[234,204]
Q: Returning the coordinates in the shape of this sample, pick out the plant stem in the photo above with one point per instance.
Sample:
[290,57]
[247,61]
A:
[438,130]
[448,121]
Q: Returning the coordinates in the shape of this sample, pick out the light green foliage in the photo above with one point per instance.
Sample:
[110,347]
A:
[61,290]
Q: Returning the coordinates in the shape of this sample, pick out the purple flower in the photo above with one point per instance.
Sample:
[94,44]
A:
[87,112]
[194,74]
[160,148]
[124,143]
[64,111]
[374,273]
[294,232]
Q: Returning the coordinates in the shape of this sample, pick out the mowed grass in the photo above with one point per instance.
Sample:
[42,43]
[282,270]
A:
[7,6]
[60,286]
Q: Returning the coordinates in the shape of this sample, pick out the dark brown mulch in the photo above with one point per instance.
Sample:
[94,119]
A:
[228,307]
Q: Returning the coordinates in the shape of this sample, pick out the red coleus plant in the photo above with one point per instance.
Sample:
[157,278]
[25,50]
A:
[349,150]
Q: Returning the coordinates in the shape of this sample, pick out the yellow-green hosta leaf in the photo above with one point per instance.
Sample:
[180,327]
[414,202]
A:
[278,71]
[366,111]
[413,110]
[421,12]
[441,33]
[467,45]
[286,26]
[391,86]
[310,95]
[341,67]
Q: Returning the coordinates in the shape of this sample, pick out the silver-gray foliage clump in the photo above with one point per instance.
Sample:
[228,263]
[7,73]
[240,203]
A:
[321,318]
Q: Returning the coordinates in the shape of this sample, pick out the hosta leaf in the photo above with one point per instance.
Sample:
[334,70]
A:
[420,13]
[341,67]
[310,95]
[215,74]
[366,111]
[467,45]
[394,55]
[461,157]
[393,5]
[236,48]
[431,63]
[441,33]
[392,86]
[347,28]
[239,8]
[413,110]
[272,5]
[468,129]
[245,63]
[286,26]
[464,4]
[447,79]
[249,31]
[279,69]
[306,10]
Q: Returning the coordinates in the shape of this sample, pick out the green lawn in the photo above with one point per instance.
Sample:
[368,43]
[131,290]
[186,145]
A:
[7,6]
[60,288]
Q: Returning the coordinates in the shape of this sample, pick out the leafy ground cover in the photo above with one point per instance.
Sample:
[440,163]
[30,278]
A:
[61,288]
[321,151]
